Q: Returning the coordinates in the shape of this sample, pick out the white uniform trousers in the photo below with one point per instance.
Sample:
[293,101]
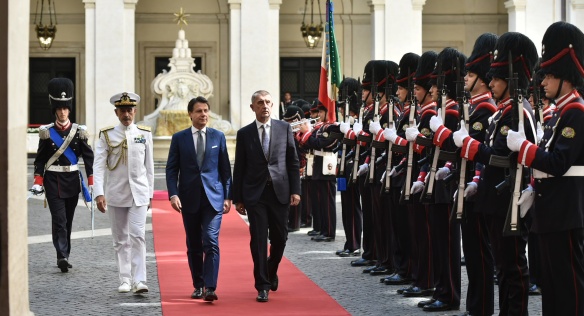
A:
[128,231]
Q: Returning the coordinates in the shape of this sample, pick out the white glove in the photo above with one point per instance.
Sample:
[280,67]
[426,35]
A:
[412,133]
[374,127]
[382,181]
[344,127]
[526,200]
[394,172]
[442,173]
[471,189]
[460,135]
[539,132]
[390,134]
[357,128]
[37,188]
[363,169]
[515,139]
[417,187]
[351,120]
[436,121]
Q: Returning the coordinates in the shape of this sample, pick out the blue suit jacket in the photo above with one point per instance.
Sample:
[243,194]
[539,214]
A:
[184,177]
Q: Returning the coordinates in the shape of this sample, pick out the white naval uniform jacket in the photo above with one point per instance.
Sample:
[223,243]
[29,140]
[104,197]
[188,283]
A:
[132,181]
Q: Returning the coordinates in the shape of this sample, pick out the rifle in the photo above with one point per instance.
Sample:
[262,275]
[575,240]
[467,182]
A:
[458,207]
[357,149]
[375,119]
[429,187]
[344,150]
[537,101]
[411,122]
[389,152]
[512,219]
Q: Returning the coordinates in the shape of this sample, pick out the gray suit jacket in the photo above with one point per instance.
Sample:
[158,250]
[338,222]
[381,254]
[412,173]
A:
[252,169]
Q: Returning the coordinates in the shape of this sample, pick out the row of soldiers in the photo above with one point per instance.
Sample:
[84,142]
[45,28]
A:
[441,144]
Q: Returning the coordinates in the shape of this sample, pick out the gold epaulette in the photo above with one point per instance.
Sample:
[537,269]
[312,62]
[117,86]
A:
[44,132]
[83,134]
[144,128]
[105,129]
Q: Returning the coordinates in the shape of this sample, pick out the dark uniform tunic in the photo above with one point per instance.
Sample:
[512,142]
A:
[62,188]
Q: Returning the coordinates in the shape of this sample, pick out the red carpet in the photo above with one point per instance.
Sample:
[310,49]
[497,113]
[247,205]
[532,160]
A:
[296,295]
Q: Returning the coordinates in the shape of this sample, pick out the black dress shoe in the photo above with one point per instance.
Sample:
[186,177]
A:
[197,294]
[439,306]
[210,296]
[371,268]
[396,279]
[426,302]
[351,253]
[534,289]
[313,233]
[274,283]
[380,271]
[69,266]
[403,289]
[339,252]
[320,238]
[262,296]
[418,292]
[362,262]
[63,264]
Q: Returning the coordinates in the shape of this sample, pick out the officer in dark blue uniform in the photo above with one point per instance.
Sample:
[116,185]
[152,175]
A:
[295,114]
[56,169]
[558,170]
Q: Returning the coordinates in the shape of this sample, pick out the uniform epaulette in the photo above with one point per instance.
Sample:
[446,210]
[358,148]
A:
[83,134]
[44,132]
[105,129]
[144,128]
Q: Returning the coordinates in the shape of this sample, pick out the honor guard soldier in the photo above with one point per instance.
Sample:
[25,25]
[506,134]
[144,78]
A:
[305,218]
[295,114]
[56,168]
[124,153]
[352,214]
[401,246]
[323,172]
[558,170]
[514,54]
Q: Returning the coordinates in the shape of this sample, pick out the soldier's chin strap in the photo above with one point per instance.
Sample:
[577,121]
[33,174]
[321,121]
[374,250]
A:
[559,89]
[473,84]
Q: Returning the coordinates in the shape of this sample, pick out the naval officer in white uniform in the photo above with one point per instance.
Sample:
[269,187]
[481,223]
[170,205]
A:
[124,153]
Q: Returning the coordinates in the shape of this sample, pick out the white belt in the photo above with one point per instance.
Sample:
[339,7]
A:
[323,153]
[574,171]
[63,168]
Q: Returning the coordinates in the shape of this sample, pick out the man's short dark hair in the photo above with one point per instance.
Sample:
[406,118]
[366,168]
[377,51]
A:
[191,104]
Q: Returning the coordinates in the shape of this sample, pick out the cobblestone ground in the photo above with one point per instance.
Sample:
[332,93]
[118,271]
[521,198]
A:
[90,287]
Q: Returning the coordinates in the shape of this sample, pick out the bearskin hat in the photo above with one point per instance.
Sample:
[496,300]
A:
[524,56]
[60,93]
[425,68]
[293,112]
[352,88]
[479,61]
[407,68]
[375,71]
[451,63]
[562,53]
[392,70]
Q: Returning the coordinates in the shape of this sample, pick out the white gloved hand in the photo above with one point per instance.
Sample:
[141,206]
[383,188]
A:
[344,127]
[539,132]
[526,200]
[374,127]
[515,139]
[471,189]
[436,121]
[390,133]
[382,181]
[460,135]
[417,187]
[357,128]
[37,189]
[351,120]
[412,133]
[442,173]
[363,169]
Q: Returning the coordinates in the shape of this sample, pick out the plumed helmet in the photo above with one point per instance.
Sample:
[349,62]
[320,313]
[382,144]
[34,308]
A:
[425,68]
[352,88]
[392,70]
[479,61]
[562,53]
[524,58]
[60,93]
[407,69]
[448,65]
[375,71]
[293,112]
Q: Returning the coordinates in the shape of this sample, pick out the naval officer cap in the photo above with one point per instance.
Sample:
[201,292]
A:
[125,99]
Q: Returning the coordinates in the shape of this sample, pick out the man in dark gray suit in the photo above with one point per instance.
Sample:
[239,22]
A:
[266,181]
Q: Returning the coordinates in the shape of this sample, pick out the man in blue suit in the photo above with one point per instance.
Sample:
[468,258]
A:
[266,181]
[198,178]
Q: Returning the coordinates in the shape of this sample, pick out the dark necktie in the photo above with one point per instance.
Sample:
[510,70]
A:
[265,142]
[200,149]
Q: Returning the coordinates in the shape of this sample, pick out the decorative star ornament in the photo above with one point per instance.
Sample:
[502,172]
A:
[180,17]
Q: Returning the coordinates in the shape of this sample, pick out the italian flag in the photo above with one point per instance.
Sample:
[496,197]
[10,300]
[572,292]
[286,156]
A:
[330,67]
